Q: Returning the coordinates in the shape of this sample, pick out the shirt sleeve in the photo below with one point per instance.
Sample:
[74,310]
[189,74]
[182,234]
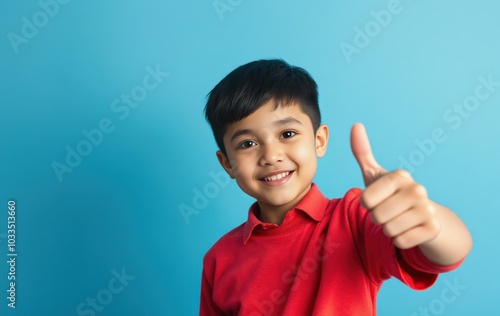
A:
[413,262]
[207,305]
[381,259]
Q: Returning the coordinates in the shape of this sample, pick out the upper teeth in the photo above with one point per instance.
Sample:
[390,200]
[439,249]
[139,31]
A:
[277,176]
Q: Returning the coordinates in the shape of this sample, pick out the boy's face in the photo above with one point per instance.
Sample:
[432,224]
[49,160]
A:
[272,154]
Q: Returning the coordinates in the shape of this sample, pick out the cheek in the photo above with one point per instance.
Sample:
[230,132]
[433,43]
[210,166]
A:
[244,175]
[242,168]
[304,155]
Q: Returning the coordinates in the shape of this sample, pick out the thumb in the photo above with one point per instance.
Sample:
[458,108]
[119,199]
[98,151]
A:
[362,151]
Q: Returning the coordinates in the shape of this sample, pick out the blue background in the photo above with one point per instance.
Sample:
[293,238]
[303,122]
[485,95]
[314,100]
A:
[120,206]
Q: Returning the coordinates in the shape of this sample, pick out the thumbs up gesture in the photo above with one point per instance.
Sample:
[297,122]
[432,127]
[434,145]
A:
[394,199]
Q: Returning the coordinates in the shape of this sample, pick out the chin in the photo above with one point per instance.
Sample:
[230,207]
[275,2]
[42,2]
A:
[277,202]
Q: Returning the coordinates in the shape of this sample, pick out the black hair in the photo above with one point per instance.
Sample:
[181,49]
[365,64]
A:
[248,87]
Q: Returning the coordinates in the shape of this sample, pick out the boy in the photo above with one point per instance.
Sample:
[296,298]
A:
[300,253]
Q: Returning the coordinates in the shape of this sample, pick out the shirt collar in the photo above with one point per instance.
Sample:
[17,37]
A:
[313,204]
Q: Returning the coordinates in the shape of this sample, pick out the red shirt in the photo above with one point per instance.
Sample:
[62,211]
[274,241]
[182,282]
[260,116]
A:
[326,258]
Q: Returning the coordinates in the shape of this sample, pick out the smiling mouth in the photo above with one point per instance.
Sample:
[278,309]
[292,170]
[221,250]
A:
[276,177]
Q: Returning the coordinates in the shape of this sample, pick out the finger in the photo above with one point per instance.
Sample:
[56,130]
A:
[417,216]
[386,186]
[417,235]
[361,149]
[404,199]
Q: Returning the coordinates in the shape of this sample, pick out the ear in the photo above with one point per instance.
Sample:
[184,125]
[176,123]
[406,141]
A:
[321,140]
[225,163]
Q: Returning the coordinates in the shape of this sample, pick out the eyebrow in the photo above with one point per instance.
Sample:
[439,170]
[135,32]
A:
[286,121]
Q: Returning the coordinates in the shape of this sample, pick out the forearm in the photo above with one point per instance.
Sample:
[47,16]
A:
[452,243]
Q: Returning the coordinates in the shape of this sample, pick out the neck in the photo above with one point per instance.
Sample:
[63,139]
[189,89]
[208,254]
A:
[275,214]
[272,214]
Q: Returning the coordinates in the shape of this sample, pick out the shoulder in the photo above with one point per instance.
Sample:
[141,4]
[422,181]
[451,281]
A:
[352,194]
[347,212]
[225,245]
[349,202]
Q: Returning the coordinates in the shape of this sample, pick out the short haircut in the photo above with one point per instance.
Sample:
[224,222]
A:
[248,87]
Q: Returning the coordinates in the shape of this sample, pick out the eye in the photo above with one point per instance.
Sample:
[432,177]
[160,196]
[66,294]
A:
[246,144]
[288,134]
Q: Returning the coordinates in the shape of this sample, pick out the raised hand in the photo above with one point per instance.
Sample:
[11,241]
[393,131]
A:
[394,199]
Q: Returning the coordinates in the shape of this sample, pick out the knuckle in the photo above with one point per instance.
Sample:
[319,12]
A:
[376,218]
[365,200]
[418,190]
[403,173]
[434,227]
[388,230]
[390,181]
[431,210]
[428,212]
[401,242]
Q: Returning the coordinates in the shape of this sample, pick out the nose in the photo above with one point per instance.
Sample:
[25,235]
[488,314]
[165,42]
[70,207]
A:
[271,154]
